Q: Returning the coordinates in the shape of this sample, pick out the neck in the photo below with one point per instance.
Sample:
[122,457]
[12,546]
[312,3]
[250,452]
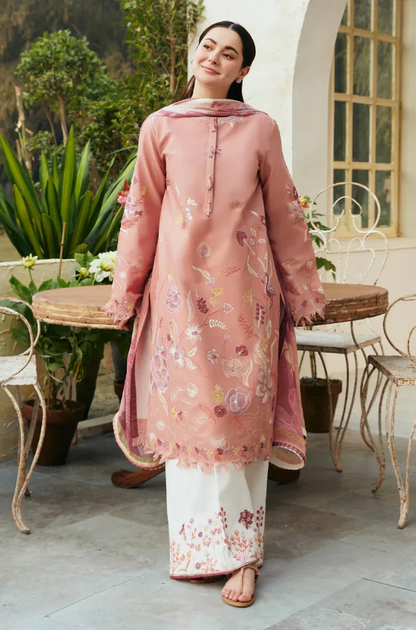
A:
[202,91]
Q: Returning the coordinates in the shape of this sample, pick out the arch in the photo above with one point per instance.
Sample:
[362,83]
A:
[311,150]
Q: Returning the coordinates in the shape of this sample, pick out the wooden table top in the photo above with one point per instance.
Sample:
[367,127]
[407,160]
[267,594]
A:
[83,307]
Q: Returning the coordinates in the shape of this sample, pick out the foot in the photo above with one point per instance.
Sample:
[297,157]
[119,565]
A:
[238,592]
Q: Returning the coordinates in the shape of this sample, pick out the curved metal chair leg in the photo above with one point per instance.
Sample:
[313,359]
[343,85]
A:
[335,443]
[365,380]
[402,487]
[22,482]
[364,425]
[381,458]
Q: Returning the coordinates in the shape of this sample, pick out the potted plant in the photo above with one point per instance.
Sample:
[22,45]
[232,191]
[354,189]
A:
[56,215]
[67,354]
[314,390]
[92,270]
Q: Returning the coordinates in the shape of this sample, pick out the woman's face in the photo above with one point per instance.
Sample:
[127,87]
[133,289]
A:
[218,59]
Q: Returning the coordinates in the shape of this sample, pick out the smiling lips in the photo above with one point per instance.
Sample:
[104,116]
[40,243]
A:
[210,70]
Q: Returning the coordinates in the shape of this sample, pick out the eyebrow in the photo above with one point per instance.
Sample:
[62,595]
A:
[225,47]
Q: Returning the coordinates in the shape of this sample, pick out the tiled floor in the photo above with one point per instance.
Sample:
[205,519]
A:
[97,557]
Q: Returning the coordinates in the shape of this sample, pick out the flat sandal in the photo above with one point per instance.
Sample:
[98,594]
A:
[238,604]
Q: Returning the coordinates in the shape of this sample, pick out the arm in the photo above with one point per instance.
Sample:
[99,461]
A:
[288,233]
[139,229]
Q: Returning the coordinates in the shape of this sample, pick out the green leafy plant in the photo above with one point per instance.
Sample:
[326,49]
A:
[34,220]
[313,223]
[67,352]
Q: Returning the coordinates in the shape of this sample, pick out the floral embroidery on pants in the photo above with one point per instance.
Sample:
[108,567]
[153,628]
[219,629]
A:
[215,547]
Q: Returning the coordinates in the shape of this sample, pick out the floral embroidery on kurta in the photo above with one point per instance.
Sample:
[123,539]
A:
[217,279]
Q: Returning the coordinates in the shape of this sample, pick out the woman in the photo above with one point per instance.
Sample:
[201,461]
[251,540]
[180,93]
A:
[215,261]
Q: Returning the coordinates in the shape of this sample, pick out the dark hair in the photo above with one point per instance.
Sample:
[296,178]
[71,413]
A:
[249,52]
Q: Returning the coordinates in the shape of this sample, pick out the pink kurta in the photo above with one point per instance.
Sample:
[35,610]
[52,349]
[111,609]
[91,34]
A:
[215,259]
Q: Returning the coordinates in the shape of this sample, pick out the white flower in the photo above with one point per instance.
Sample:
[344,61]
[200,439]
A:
[29,261]
[83,272]
[193,333]
[103,266]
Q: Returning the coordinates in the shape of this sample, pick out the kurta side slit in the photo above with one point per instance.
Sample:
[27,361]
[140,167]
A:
[215,262]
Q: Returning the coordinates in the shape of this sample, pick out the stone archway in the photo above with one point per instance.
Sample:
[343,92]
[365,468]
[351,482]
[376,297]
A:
[310,154]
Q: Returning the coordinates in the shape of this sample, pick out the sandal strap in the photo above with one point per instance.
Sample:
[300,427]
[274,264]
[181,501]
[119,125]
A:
[255,569]
[250,566]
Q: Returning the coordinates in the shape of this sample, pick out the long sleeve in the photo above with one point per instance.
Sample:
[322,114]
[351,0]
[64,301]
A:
[139,228]
[288,233]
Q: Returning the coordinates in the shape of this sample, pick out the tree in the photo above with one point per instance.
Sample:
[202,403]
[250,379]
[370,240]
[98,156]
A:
[61,74]
[159,33]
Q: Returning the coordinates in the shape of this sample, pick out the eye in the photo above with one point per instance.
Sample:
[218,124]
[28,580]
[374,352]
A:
[227,55]
[206,46]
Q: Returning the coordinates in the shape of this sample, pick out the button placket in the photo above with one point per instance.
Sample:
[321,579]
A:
[211,166]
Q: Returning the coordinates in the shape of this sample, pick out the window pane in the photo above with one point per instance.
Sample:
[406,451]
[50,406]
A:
[383,134]
[339,191]
[361,133]
[384,70]
[385,18]
[341,63]
[362,14]
[383,192]
[361,196]
[362,65]
[344,20]
[340,131]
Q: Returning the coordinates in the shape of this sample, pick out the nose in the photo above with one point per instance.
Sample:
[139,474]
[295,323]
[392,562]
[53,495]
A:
[213,58]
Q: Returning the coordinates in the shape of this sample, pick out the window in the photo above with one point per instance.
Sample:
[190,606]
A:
[366,108]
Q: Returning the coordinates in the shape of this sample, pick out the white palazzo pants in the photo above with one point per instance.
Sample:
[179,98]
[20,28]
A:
[216,521]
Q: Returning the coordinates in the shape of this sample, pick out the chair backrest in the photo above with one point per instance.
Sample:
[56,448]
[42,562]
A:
[5,310]
[342,248]
[405,298]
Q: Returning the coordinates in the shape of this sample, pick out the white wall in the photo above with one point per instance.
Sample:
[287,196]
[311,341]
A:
[310,95]
[407,223]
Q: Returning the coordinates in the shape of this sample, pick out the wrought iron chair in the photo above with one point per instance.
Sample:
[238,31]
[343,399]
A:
[398,371]
[18,371]
[345,340]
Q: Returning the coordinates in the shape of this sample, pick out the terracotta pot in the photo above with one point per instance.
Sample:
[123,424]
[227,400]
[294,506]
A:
[60,429]
[315,402]
[86,387]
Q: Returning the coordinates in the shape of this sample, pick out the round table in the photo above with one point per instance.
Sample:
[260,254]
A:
[83,307]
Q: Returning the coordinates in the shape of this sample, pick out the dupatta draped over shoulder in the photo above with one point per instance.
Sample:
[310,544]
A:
[215,263]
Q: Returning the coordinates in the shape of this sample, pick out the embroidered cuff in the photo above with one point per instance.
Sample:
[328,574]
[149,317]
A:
[305,312]
[120,312]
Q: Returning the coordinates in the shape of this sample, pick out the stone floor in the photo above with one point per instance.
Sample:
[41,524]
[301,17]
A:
[97,557]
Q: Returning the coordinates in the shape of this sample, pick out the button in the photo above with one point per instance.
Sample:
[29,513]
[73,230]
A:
[209,208]
[209,184]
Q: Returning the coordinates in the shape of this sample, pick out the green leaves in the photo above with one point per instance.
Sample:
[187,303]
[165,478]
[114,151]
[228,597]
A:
[34,221]
[66,351]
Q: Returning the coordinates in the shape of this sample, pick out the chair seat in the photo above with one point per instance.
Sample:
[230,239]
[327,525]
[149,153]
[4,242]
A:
[11,365]
[333,341]
[398,369]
